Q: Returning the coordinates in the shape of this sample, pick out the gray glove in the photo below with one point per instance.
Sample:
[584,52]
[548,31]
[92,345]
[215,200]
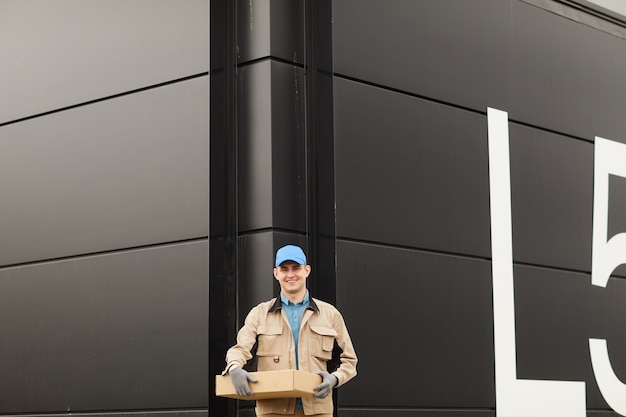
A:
[329,381]
[240,378]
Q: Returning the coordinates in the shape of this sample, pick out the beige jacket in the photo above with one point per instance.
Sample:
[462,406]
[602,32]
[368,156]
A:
[322,325]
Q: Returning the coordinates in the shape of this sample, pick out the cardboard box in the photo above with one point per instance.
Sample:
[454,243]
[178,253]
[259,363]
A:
[272,384]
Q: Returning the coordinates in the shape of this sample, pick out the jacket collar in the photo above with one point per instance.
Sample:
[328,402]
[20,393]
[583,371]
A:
[278,305]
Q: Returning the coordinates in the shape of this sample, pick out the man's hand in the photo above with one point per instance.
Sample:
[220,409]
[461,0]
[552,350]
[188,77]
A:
[240,378]
[328,383]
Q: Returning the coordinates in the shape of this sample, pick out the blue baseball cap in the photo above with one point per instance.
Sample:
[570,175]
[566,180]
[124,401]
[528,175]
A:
[290,253]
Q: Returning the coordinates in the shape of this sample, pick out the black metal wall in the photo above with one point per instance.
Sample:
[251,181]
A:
[103,207]
[272,175]
[412,81]
[395,109]
[356,128]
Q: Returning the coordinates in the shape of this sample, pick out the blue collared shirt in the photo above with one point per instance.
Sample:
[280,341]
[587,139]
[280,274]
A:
[294,315]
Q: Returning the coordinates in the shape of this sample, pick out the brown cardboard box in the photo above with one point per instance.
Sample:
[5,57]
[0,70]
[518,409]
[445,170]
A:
[272,384]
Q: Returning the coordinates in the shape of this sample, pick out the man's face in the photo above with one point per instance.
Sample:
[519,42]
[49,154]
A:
[292,277]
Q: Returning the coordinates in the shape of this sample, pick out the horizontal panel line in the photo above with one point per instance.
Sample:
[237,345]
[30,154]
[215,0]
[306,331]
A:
[269,58]
[409,408]
[111,413]
[457,106]
[414,248]
[465,255]
[270,229]
[256,231]
[556,268]
[585,18]
[101,99]
[105,252]
[409,93]
[555,132]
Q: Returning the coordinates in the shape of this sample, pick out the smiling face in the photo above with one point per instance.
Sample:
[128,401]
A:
[292,279]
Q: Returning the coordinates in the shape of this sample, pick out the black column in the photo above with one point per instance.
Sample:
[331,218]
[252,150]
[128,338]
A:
[222,204]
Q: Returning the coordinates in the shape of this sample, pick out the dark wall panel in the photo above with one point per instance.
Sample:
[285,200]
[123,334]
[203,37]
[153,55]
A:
[123,331]
[103,165]
[270,29]
[556,313]
[415,173]
[64,52]
[449,50]
[412,81]
[543,68]
[410,172]
[565,75]
[256,264]
[271,148]
[421,324]
[552,198]
[254,146]
[120,173]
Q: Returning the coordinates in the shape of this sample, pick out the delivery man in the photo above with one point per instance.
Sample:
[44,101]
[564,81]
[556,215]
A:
[293,331]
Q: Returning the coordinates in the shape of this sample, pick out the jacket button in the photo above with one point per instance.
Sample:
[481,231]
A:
[276,359]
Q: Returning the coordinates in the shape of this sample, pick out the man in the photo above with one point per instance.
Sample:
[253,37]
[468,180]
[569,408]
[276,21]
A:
[293,331]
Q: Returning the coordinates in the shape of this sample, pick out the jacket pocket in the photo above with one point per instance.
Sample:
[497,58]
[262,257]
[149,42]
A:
[322,341]
[270,349]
